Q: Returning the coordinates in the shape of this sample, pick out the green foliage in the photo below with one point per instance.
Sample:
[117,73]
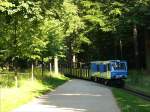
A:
[19,18]
[12,97]
[139,80]
[130,103]
[41,29]
[73,25]
[52,30]
[4,5]
[108,22]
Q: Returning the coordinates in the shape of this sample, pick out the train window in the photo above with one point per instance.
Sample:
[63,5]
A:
[119,66]
[97,67]
[103,68]
[94,67]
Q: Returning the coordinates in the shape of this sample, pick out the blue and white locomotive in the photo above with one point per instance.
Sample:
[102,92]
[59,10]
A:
[109,71]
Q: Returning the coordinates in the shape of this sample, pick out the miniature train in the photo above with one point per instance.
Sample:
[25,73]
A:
[109,72]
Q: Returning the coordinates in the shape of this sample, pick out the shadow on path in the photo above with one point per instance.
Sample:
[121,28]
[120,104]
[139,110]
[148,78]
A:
[74,96]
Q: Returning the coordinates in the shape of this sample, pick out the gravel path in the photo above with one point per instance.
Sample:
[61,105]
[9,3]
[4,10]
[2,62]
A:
[74,96]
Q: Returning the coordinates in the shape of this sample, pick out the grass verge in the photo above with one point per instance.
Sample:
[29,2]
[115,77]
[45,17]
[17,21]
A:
[139,81]
[130,103]
[11,98]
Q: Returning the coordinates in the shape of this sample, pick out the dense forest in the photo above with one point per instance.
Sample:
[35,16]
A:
[39,30]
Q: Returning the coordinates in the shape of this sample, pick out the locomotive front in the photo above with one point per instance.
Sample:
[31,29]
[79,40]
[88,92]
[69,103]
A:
[118,69]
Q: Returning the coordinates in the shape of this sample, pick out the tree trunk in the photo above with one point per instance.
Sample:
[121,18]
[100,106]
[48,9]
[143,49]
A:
[16,78]
[42,67]
[74,61]
[147,49]
[15,50]
[115,49]
[136,52]
[56,64]
[70,54]
[50,67]
[32,77]
[16,73]
[121,53]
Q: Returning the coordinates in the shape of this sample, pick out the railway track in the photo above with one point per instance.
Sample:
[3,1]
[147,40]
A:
[137,93]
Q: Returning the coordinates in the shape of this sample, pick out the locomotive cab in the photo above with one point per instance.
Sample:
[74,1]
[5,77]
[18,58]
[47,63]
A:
[118,69]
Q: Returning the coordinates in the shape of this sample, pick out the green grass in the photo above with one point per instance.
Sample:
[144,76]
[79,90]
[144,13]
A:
[12,97]
[139,80]
[130,103]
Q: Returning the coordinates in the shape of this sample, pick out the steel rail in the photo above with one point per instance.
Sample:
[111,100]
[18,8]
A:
[137,93]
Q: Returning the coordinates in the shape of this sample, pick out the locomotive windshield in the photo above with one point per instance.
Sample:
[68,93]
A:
[119,66]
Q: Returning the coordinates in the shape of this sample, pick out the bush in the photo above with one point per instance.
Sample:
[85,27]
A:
[139,80]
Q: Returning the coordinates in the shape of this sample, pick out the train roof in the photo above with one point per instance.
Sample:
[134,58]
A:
[106,62]
[98,62]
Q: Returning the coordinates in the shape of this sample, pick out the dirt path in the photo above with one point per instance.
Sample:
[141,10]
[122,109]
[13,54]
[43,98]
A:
[74,96]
